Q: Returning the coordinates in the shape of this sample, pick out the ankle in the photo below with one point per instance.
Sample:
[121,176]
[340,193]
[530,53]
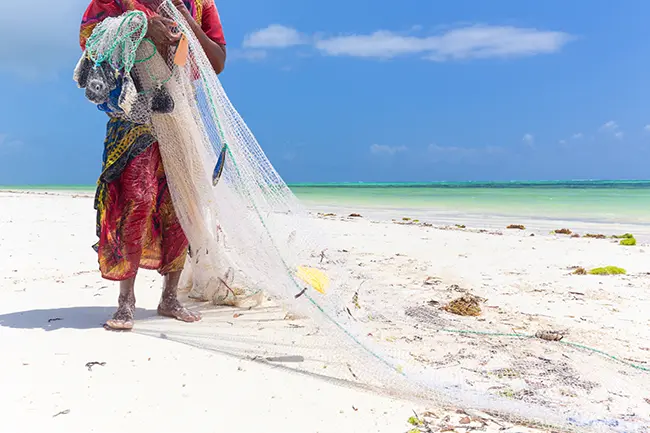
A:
[126,300]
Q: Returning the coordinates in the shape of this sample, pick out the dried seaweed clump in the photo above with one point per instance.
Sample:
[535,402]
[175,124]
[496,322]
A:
[355,215]
[624,236]
[608,270]
[595,236]
[579,271]
[563,232]
[516,227]
[466,305]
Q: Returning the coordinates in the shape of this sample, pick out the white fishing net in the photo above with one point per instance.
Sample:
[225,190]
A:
[251,242]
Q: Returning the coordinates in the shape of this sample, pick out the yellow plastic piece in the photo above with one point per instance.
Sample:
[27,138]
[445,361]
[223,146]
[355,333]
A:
[314,277]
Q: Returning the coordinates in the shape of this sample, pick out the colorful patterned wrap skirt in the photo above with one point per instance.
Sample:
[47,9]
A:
[136,223]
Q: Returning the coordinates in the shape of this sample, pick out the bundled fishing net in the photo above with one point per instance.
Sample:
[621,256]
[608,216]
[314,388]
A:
[251,240]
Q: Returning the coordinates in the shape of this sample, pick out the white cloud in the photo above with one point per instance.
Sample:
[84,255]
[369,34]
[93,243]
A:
[609,126]
[461,154]
[275,36]
[612,128]
[473,42]
[528,139]
[382,149]
[577,136]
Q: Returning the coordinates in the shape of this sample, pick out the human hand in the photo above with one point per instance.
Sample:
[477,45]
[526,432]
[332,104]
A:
[160,31]
[180,5]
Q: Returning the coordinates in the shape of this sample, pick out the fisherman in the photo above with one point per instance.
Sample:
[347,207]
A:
[136,222]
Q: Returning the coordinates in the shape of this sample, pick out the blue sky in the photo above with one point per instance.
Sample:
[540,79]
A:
[361,90]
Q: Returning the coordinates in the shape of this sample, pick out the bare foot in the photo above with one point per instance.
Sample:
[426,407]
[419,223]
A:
[173,308]
[122,319]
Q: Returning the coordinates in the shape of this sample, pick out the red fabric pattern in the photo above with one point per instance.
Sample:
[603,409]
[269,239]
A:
[139,228]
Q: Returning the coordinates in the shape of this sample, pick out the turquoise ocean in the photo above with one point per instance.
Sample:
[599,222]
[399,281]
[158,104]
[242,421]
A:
[626,202]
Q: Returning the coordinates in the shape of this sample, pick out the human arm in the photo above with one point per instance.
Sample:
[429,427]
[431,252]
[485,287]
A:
[211,40]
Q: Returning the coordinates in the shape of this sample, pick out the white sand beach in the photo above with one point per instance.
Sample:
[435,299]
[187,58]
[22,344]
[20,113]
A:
[167,376]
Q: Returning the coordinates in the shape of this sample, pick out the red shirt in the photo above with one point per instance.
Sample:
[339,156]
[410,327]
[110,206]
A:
[204,12]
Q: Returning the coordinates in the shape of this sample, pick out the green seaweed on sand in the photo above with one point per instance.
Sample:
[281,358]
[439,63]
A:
[624,236]
[608,270]
[414,421]
[628,242]
[507,393]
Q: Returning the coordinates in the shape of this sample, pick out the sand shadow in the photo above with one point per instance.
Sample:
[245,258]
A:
[65,318]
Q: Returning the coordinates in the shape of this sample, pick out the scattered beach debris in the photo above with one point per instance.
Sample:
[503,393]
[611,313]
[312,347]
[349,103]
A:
[326,215]
[355,297]
[624,236]
[352,372]
[415,420]
[504,373]
[578,270]
[63,412]
[466,305]
[608,270]
[516,227]
[237,315]
[595,236]
[355,215]
[575,235]
[406,219]
[550,335]
[355,300]
[90,365]
[54,319]
[563,231]
[456,288]
[628,242]
[461,226]
[432,281]
[467,421]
